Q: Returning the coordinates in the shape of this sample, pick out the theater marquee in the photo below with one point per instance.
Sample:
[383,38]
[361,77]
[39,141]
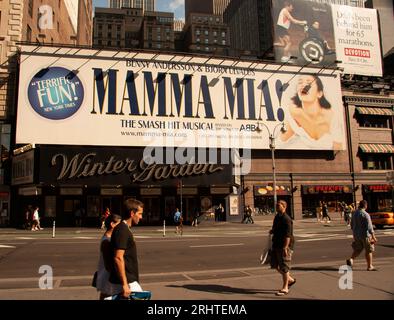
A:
[110,98]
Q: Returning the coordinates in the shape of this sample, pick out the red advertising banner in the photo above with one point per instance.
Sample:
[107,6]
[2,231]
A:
[311,189]
[378,188]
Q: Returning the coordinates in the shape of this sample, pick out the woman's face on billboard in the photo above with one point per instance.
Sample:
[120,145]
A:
[307,89]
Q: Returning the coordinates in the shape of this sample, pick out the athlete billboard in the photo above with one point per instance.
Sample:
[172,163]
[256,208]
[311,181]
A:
[307,32]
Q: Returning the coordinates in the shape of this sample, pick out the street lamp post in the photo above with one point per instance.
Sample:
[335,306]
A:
[272,138]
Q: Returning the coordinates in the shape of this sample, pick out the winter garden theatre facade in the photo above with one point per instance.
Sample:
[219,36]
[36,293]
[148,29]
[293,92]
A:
[174,131]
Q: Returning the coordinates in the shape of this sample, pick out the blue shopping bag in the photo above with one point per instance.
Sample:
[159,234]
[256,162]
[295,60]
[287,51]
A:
[140,295]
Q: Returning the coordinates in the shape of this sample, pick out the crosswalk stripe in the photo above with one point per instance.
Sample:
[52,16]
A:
[5,246]
[218,245]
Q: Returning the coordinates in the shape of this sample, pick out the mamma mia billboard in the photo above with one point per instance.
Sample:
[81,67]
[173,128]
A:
[70,96]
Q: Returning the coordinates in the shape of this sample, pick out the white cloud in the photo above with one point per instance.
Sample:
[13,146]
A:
[175,4]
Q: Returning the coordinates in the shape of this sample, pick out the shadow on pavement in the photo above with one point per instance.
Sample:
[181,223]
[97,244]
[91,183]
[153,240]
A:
[385,245]
[214,288]
[321,268]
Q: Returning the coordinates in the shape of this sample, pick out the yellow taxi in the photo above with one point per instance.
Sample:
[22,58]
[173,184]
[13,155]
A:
[383,217]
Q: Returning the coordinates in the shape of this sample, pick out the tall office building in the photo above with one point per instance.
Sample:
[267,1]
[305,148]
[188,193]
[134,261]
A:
[219,6]
[147,5]
[204,30]
[216,7]
[133,28]
[206,33]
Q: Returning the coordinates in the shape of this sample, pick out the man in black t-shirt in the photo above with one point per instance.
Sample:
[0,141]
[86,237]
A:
[125,251]
[282,246]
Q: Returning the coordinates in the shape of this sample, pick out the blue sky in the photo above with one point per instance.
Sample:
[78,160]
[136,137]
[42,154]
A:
[176,6]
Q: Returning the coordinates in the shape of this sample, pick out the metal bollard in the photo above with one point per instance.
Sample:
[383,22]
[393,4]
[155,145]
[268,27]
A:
[164,228]
[53,229]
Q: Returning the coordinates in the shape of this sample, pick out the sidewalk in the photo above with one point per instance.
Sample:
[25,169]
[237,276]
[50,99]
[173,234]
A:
[317,281]
[314,281]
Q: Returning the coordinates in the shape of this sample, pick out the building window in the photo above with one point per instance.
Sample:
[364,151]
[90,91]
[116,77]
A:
[206,41]
[38,21]
[206,32]
[30,8]
[5,141]
[198,40]
[215,33]
[28,33]
[373,121]
[206,48]
[198,32]
[223,34]
[377,162]
[224,42]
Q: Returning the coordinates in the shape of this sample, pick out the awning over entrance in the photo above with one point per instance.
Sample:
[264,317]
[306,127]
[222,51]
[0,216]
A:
[375,111]
[376,148]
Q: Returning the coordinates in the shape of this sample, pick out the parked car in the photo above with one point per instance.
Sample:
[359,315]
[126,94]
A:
[383,217]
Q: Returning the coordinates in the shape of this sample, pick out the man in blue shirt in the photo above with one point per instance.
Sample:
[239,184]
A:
[363,235]
[178,221]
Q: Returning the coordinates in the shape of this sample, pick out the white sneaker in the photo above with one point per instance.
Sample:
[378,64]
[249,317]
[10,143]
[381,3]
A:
[285,59]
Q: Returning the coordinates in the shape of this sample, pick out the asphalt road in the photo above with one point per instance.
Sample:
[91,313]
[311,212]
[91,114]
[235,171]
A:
[74,253]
